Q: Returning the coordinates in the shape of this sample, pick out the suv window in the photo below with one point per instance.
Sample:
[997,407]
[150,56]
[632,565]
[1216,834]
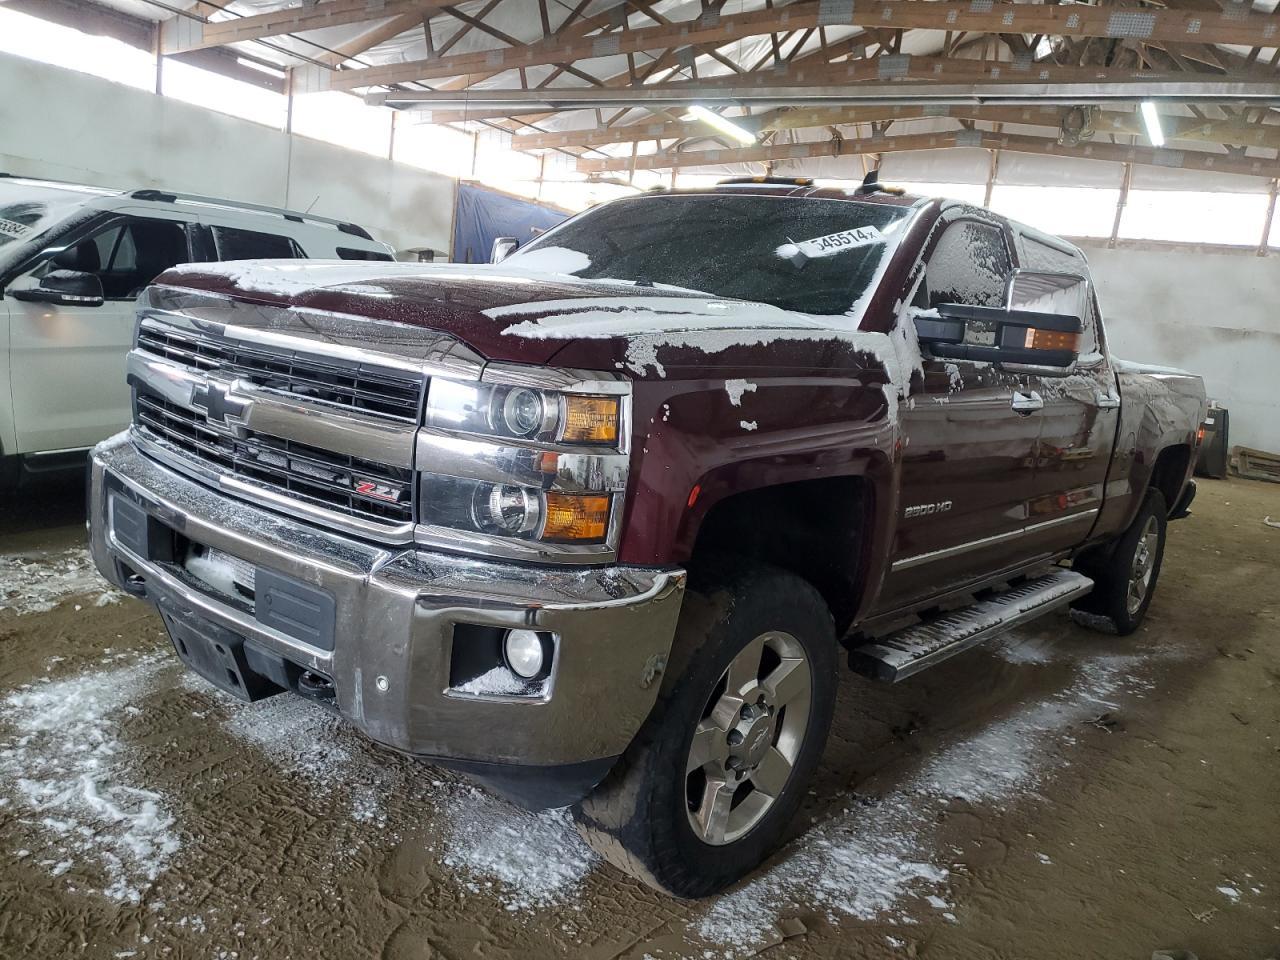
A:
[969,265]
[350,253]
[235,244]
[126,255]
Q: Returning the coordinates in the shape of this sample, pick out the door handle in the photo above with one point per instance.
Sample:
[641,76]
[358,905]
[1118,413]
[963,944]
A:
[1027,402]
[1107,402]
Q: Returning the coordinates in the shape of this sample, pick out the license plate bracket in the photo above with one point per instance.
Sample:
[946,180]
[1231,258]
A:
[217,655]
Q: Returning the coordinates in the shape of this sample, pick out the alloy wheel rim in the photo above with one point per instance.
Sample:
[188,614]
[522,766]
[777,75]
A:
[747,742]
[1143,566]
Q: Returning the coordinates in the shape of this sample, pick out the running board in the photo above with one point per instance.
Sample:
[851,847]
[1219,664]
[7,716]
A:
[898,655]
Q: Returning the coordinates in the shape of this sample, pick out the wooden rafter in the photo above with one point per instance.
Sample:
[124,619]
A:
[1070,20]
[1017,143]
[1228,131]
[192,35]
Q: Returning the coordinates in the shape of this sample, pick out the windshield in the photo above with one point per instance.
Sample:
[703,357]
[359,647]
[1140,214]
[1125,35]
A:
[814,256]
[29,208]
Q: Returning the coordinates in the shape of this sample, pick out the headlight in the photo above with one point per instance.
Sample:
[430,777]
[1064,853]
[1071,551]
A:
[508,510]
[499,410]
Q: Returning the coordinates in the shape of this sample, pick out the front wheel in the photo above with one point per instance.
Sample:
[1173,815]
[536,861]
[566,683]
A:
[710,783]
[1125,580]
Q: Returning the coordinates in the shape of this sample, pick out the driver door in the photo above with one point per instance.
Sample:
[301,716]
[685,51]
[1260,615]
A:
[969,435]
[67,370]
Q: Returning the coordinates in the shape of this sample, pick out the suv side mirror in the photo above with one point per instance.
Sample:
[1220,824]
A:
[70,288]
[503,247]
[957,331]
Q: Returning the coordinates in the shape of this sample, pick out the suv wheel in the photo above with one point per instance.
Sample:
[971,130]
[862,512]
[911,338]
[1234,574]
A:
[1125,581]
[710,783]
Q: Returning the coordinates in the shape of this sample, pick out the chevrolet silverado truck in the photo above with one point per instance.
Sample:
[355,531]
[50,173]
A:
[596,524]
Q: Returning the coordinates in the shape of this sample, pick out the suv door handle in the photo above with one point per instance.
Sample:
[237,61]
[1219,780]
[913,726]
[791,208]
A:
[1107,402]
[1027,402]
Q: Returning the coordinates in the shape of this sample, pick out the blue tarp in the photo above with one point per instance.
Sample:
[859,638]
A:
[481,216]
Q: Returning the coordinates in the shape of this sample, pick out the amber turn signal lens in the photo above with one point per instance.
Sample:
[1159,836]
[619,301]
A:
[576,518]
[1052,340]
[590,419]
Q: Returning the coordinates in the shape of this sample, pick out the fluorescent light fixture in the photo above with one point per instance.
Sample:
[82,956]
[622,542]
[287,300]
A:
[1151,120]
[723,124]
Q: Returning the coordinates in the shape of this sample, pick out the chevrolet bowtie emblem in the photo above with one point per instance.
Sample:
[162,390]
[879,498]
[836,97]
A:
[215,400]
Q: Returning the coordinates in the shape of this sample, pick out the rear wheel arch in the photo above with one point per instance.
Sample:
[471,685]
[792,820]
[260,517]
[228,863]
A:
[1169,472]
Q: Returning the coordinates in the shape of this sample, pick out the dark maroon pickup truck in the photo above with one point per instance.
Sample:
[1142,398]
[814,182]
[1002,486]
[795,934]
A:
[593,523]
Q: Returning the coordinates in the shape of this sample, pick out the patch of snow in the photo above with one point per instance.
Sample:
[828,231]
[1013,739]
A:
[736,388]
[68,765]
[554,260]
[496,682]
[38,582]
[867,862]
[1130,366]
[747,425]
[533,860]
[1231,893]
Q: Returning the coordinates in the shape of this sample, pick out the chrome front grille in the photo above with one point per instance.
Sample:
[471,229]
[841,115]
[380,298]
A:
[324,479]
[354,385]
[324,436]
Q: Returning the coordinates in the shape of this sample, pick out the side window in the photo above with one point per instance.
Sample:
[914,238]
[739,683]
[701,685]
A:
[1040,256]
[126,255]
[234,244]
[969,265]
[350,253]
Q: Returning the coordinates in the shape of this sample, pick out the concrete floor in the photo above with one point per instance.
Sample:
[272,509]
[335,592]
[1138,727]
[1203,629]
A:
[1058,794]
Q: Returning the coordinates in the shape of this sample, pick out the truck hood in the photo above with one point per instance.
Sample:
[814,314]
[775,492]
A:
[513,315]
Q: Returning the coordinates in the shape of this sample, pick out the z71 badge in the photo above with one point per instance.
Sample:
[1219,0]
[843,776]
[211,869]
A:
[926,509]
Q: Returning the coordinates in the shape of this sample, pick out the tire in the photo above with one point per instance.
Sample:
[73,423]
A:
[672,827]
[10,472]
[1125,579]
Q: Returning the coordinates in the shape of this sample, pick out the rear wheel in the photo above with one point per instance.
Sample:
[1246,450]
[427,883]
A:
[710,783]
[1125,580]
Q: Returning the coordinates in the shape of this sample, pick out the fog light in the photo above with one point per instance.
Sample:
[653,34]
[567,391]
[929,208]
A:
[525,653]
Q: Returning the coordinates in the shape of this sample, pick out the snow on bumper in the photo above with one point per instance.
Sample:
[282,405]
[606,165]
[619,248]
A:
[395,616]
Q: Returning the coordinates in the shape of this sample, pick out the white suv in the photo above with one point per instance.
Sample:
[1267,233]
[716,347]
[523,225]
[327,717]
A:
[72,261]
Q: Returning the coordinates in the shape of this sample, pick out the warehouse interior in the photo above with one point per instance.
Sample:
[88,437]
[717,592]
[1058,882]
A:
[1055,794]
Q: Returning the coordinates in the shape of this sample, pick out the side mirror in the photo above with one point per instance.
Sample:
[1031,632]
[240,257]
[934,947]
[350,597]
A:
[503,247]
[70,288]
[957,331]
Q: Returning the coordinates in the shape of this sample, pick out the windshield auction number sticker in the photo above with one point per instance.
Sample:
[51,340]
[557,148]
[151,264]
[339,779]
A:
[830,245]
[11,228]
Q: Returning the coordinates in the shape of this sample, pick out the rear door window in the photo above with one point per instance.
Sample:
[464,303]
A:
[232,243]
[1043,257]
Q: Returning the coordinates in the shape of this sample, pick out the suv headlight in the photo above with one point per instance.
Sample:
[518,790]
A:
[511,463]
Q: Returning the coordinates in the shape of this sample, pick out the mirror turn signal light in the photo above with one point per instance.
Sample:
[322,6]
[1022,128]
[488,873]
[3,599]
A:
[1052,340]
[576,518]
[590,419]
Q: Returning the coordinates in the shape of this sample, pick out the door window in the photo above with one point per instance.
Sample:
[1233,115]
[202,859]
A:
[969,265]
[234,244]
[125,255]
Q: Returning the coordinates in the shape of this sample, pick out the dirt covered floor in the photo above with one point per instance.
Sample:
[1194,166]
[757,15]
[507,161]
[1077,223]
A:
[1059,794]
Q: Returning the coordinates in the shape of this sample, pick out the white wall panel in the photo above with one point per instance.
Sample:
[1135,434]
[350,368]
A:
[1213,314]
[65,125]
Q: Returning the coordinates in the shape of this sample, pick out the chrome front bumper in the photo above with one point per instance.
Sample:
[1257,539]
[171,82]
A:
[396,610]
